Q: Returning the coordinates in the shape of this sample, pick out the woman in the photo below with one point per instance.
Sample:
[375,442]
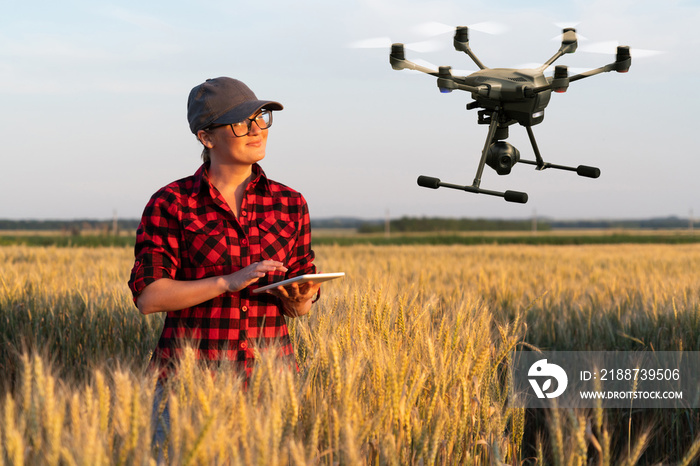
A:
[206,241]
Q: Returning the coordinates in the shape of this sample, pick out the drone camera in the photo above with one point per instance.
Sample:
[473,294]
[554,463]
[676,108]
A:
[502,156]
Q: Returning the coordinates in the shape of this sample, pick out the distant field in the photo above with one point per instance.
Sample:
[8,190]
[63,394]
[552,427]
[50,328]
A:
[349,237]
[10,238]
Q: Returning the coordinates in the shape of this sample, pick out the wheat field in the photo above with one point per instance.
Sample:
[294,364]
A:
[404,361]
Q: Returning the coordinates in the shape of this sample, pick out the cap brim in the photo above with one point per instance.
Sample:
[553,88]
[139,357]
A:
[245,110]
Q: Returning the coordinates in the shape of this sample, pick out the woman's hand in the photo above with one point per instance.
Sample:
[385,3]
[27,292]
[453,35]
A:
[251,274]
[296,298]
[166,294]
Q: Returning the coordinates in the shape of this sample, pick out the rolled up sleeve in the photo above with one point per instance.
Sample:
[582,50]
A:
[157,250]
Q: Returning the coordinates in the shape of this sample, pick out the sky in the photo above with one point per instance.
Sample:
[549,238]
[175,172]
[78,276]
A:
[93,104]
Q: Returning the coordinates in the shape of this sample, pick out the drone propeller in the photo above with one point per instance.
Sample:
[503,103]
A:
[424,46]
[433,28]
[608,47]
[429,29]
[563,25]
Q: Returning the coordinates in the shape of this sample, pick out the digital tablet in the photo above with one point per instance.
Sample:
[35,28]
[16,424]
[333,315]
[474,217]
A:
[311,277]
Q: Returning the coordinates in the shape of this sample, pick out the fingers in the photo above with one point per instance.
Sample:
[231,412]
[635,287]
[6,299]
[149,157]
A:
[281,291]
[258,270]
[305,290]
[296,292]
[267,266]
[296,298]
[252,273]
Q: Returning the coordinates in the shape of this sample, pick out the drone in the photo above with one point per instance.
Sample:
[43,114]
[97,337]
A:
[506,96]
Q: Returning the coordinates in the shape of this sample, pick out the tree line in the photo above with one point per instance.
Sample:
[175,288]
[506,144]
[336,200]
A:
[404,224]
[437,224]
[75,226]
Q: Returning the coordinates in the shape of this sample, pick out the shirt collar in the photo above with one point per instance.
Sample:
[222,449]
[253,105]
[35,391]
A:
[201,179]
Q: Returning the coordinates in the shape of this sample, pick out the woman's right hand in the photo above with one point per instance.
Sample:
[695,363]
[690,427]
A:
[252,273]
[166,294]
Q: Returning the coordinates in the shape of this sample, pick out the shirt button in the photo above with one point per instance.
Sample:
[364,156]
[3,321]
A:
[243,213]
[244,309]
[244,242]
[243,345]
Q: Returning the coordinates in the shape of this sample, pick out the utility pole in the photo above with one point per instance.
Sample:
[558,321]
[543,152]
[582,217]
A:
[115,223]
[534,220]
[387,224]
[690,221]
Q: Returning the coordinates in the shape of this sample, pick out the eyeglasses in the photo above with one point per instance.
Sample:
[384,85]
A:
[242,128]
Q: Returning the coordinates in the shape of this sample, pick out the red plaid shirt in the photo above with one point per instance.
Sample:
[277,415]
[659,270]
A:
[188,232]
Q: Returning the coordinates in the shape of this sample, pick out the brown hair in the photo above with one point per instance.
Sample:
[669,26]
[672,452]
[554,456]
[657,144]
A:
[205,151]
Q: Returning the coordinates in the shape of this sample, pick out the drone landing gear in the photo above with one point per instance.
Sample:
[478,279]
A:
[509,196]
[502,160]
[434,183]
[581,170]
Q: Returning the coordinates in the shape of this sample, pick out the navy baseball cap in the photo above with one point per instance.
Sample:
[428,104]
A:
[222,101]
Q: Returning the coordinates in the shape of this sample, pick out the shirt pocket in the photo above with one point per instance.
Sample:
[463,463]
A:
[277,237]
[207,245]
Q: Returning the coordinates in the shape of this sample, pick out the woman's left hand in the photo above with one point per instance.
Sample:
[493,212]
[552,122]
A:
[296,298]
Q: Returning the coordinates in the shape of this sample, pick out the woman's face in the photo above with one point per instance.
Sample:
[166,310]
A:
[225,147]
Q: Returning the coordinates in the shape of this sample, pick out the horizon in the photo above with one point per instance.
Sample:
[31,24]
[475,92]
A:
[383,219]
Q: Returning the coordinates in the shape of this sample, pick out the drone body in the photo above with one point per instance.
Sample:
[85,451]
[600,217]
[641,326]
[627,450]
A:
[507,96]
[506,89]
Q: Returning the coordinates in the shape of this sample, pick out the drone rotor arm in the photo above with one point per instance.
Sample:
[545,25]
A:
[556,57]
[409,65]
[464,47]
[622,63]
[446,82]
[621,66]
[450,84]
[588,74]
[569,44]
[461,44]
[397,59]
